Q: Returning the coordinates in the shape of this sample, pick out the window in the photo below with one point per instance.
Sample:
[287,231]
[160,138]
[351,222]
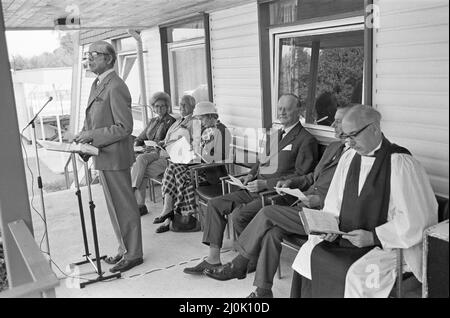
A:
[128,70]
[187,60]
[324,67]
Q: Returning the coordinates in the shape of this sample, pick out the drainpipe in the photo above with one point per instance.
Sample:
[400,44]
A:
[140,58]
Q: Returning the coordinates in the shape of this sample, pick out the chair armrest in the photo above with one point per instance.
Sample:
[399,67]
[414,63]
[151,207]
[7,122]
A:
[265,195]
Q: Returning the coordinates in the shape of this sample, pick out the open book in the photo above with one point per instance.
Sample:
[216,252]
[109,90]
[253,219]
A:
[317,222]
[237,182]
[69,147]
[295,193]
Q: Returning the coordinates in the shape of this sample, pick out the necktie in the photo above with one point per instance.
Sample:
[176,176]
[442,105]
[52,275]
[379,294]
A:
[96,82]
[282,133]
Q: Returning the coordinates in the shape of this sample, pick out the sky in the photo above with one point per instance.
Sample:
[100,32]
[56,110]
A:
[31,43]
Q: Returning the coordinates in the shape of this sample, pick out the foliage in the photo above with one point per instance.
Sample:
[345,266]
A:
[62,56]
[3,278]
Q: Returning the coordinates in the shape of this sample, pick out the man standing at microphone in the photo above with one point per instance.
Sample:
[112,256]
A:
[108,126]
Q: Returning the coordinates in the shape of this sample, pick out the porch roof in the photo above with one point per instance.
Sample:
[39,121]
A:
[110,14]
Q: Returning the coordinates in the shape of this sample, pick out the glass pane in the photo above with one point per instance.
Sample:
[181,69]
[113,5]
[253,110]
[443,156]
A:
[291,11]
[339,69]
[189,68]
[126,44]
[192,30]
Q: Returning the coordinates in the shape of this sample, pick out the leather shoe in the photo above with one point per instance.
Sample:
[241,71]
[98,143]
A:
[161,219]
[163,228]
[200,268]
[143,210]
[126,264]
[225,272]
[255,295]
[111,260]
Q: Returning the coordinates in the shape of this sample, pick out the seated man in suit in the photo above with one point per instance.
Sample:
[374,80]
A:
[384,200]
[294,151]
[261,239]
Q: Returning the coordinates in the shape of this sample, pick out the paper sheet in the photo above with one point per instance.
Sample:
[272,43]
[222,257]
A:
[180,151]
[294,192]
[237,182]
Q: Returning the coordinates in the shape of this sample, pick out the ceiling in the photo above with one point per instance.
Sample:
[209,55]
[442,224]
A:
[105,14]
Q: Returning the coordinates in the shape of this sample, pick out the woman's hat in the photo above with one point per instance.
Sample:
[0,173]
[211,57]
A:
[204,108]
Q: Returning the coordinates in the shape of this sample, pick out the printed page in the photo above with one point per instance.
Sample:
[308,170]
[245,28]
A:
[180,151]
[294,192]
[319,222]
[237,182]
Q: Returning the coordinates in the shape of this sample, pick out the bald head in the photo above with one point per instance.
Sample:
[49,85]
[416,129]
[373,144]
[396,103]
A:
[361,125]
[289,108]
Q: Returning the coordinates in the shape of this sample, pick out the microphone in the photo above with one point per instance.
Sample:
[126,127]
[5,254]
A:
[34,118]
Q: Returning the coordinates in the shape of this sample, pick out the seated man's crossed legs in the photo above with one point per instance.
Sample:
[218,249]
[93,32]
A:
[261,241]
[244,205]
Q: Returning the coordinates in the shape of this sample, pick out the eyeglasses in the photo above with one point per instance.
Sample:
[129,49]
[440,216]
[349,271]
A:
[355,134]
[93,54]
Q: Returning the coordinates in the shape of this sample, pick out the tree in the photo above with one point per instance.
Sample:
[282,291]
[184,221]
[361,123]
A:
[60,57]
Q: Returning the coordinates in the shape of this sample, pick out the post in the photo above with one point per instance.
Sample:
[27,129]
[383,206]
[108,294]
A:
[14,202]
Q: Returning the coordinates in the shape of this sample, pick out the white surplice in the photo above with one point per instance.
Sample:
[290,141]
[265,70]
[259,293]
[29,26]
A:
[412,209]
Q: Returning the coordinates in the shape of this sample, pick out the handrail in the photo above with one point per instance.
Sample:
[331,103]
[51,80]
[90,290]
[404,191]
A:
[44,280]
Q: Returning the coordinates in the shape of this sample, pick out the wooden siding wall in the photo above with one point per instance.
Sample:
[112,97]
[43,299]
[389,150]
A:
[235,66]
[411,67]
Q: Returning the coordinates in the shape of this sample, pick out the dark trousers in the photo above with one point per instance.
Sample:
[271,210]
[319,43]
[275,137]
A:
[262,238]
[301,287]
[245,204]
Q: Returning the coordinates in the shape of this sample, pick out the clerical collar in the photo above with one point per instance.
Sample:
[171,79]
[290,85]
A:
[102,76]
[372,153]
[288,129]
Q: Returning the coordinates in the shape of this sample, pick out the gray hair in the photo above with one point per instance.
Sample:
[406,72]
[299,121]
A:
[109,50]
[366,114]
[161,96]
[190,100]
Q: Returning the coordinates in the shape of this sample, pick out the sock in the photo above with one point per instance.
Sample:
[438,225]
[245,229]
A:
[261,292]
[240,263]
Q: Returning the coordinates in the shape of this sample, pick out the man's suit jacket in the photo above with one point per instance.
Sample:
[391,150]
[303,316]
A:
[318,182]
[297,154]
[109,123]
[185,124]
[156,129]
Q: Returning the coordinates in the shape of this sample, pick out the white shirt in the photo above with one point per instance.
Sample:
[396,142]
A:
[102,76]
[288,129]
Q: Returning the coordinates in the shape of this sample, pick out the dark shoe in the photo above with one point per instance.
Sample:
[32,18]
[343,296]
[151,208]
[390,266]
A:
[125,265]
[143,210]
[225,272]
[251,267]
[200,268]
[255,295]
[113,259]
[163,228]
[161,219]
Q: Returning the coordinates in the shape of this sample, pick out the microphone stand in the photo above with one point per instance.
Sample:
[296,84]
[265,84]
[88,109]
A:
[39,178]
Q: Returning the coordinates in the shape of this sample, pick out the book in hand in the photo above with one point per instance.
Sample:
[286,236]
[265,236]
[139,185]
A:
[85,149]
[295,193]
[316,222]
[237,182]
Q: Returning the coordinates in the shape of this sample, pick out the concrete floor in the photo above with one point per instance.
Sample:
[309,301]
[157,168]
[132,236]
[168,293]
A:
[165,255]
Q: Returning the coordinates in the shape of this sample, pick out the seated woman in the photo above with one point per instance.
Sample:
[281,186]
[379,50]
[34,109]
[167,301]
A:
[156,131]
[213,146]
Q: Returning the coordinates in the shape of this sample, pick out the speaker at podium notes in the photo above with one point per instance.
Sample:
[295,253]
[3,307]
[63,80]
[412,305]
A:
[85,149]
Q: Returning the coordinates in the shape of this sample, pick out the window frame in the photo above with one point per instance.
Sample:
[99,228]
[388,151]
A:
[316,28]
[167,59]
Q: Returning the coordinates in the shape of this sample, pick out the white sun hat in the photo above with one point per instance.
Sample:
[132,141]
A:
[204,108]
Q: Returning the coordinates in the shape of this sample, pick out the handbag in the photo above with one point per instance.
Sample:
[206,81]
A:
[184,223]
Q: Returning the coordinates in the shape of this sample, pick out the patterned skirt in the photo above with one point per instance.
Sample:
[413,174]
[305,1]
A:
[177,183]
